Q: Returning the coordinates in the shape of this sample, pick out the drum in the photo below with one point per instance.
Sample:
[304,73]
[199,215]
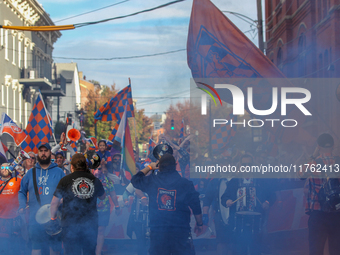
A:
[247,217]
[224,212]
[249,222]
[43,217]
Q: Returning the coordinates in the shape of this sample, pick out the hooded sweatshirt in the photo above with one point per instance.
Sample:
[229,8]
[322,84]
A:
[47,182]
[170,197]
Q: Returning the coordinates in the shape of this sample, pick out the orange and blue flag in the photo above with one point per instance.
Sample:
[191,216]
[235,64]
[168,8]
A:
[9,127]
[114,108]
[216,48]
[39,127]
[114,131]
[223,135]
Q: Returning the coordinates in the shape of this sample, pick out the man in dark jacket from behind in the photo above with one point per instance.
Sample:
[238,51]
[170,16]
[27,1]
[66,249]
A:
[170,200]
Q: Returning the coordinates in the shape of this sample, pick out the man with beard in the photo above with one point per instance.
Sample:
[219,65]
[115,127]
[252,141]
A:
[40,182]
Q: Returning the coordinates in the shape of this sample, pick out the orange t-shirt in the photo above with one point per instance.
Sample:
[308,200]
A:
[9,202]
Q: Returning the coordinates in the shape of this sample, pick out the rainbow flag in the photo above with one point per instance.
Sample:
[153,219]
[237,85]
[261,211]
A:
[123,136]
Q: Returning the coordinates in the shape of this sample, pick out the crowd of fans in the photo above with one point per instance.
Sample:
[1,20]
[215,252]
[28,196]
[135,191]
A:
[21,198]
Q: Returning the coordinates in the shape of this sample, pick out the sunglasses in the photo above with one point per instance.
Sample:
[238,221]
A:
[5,167]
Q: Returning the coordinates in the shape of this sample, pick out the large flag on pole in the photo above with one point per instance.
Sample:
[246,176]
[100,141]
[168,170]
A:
[123,136]
[9,127]
[39,127]
[114,108]
[217,48]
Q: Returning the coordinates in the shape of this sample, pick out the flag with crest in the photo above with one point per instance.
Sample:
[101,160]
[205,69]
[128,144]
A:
[9,127]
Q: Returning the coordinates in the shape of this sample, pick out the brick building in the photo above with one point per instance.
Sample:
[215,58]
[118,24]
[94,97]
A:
[303,37]
[303,40]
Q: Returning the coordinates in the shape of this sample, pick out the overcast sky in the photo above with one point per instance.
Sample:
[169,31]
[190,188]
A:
[165,78]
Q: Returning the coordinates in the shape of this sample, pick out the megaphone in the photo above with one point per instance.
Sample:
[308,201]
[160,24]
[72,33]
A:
[73,135]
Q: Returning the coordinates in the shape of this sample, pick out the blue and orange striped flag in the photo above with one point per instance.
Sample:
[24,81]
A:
[114,108]
[39,127]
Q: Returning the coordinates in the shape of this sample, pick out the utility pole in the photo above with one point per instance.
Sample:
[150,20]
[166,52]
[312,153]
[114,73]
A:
[259,25]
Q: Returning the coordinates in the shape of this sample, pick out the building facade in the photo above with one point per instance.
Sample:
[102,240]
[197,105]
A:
[303,41]
[67,77]
[25,59]
[302,37]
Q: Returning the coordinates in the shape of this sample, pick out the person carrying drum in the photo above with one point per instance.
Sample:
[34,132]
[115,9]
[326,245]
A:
[323,197]
[9,205]
[247,199]
[170,197]
[224,232]
[40,182]
[79,221]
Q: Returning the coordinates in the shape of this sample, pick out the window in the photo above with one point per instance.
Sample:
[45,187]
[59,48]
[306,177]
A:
[324,8]
[26,119]
[320,66]
[326,63]
[6,44]
[19,54]
[20,106]
[279,58]
[7,99]
[14,108]
[2,37]
[14,52]
[3,95]
[302,56]
[319,10]
[25,57]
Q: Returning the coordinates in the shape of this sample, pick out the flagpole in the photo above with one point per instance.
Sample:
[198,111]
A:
[122,145]
[47,113]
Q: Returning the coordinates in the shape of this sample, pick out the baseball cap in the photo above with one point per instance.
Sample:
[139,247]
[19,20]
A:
[44,144]
[60,153]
